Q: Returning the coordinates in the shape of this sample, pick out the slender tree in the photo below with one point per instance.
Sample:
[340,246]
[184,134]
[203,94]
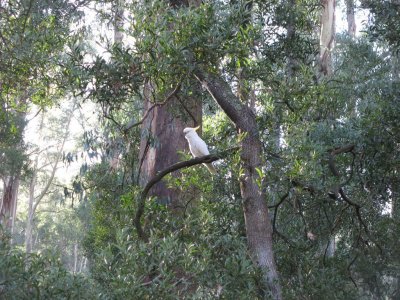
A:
[36,197]
[327,40]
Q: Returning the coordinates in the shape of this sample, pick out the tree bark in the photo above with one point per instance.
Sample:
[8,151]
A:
[75,270]
[118,21]
[257,220]
[162,139]
[29,218]
[327,36]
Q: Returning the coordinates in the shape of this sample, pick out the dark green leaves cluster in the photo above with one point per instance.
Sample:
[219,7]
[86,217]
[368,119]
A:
[38,276]
[385,23]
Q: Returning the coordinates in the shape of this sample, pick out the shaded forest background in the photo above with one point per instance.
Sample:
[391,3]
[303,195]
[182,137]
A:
[300,111]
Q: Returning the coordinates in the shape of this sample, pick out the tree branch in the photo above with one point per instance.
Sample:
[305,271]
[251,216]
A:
[160,175]
[333,153]
[276,206]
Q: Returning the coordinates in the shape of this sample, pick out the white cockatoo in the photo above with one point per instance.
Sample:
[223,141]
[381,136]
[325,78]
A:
[197,146]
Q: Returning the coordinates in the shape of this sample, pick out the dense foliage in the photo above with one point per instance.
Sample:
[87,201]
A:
[39,276]
[331,144]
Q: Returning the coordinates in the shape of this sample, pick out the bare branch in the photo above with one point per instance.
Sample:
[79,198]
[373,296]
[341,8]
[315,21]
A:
[276,206]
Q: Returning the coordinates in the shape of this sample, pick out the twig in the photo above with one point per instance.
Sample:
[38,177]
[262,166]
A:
[187,110]
[276,206]
[36,114]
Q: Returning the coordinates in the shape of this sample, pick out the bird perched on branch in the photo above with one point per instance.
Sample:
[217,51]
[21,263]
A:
[197,146]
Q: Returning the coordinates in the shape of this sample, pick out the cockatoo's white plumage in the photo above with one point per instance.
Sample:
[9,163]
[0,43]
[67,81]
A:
[197,146]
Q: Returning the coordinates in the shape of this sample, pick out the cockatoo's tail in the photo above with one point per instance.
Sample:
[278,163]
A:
[197,146]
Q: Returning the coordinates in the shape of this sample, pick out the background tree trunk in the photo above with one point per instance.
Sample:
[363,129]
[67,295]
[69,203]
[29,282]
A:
[11,180]
[351,31]
[29,218]
[118,21]
[327,39]
[327,36]
[351,20]
[9,202]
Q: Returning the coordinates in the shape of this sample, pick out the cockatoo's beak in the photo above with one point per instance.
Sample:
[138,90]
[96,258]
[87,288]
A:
[196,128]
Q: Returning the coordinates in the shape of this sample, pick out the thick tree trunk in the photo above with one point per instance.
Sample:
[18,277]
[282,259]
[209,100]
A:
[162,139]
[327,36]
[162,135]
[257,220]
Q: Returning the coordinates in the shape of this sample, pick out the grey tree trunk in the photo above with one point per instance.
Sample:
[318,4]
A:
[82,266]
[9,203]
[327,35]
[257,219]
[351,20]
[118,21]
